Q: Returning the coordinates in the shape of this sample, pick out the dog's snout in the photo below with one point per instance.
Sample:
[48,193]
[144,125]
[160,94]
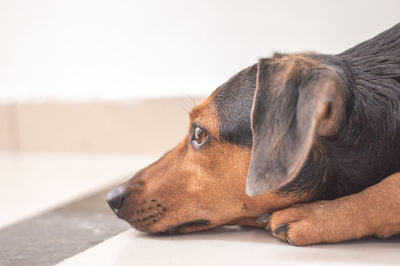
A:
[115,198]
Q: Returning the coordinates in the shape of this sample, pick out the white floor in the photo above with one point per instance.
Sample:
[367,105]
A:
[31,183]
[34,182]
[231,246]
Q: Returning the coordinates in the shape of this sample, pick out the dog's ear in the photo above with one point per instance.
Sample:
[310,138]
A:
[295,103]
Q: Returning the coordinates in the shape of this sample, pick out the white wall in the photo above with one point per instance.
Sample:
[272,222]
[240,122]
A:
[97,49]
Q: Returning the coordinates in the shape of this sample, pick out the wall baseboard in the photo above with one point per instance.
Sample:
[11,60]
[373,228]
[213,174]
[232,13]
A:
[148,126]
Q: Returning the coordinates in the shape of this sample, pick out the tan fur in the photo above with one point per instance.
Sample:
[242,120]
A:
[291,64]
[374,211]
[199,184]
[209,184]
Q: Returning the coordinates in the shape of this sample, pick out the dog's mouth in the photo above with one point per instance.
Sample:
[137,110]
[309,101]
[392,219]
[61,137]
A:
[186,227]
[150,212]
[144,215]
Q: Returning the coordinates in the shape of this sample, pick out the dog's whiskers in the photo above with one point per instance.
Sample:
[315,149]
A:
[157,212]
[193,101]
[183,108]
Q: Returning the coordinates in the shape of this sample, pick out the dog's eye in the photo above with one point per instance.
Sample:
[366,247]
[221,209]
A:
[199,136]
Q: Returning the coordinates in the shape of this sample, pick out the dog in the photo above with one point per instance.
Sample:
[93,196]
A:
[305,145]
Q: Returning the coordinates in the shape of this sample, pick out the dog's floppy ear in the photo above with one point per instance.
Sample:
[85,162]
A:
[294,104]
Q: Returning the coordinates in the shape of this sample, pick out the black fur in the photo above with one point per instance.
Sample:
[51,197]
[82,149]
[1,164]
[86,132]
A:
[177,229]
[366,148]
[233,101]
[289,98]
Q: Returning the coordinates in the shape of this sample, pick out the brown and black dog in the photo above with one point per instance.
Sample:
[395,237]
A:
[305,145]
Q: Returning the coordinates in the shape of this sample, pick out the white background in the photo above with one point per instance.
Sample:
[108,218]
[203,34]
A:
[96,49]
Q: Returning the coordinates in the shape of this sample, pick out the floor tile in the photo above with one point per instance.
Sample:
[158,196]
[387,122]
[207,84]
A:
[31,183]
[232,246]
[58,234]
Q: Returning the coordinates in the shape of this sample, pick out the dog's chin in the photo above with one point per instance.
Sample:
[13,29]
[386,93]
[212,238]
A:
[203,224]
[184,228]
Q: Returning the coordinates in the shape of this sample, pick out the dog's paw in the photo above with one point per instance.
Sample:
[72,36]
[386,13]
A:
[306,224]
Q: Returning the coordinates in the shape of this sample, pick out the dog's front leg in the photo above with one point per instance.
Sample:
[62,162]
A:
[374,211]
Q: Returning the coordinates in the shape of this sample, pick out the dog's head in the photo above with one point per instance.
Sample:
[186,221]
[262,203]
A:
[201,183]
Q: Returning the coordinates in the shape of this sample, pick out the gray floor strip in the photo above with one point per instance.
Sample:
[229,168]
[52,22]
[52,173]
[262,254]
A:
[59,234]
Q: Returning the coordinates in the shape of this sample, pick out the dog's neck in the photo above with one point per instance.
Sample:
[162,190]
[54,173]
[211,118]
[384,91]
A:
[366,149]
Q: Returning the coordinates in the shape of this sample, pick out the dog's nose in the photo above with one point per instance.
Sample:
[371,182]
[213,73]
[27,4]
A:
[115,198]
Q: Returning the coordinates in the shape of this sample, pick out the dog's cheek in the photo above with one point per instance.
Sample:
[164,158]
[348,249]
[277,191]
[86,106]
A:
[224,181]
[193,185]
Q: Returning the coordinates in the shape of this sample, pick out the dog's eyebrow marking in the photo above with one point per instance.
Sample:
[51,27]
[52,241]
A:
[199,108]
[194,113]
